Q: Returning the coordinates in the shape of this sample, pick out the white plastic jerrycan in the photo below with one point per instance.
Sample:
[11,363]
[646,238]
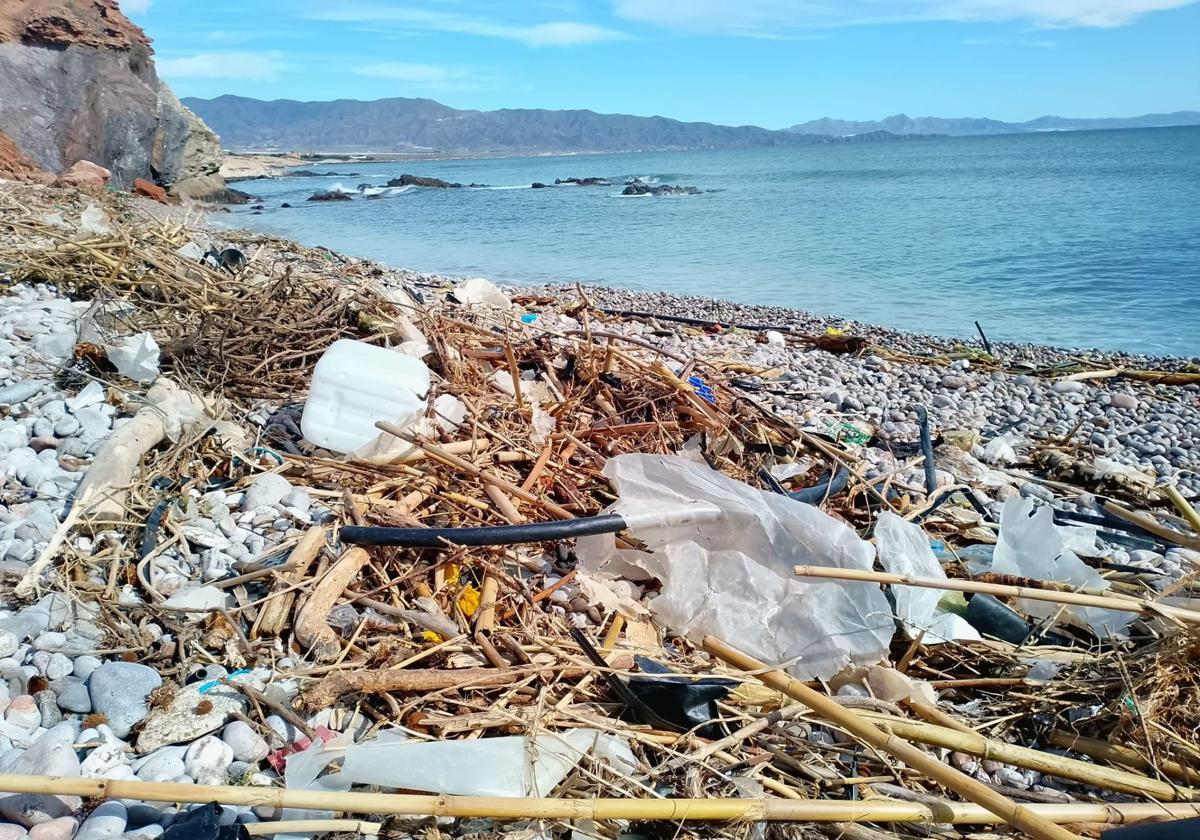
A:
[354,385]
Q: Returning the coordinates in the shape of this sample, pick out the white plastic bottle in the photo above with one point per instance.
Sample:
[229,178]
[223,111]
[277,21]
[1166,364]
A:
[355,384]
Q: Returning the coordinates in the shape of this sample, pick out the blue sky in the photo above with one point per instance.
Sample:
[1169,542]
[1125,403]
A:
[763,62]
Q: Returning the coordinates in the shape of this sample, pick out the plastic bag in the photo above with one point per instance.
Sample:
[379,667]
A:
[507,766]
[731,576]
[1031,545]
[481,291]
[904,550]
[93,221]
[304,770]
[135,357]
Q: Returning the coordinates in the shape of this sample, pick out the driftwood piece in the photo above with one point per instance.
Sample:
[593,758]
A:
[273,617]
[328,690]
[312,627]
[102,492]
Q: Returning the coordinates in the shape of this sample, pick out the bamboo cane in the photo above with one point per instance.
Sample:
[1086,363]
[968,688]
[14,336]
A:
[1107,602]
[1183,506]
[1019,816]
[520,808]
[1068,768]
[309,826]
[1152,526]
[1122,755]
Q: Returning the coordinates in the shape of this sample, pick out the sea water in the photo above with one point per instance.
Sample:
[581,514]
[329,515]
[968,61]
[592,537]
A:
[1081,239]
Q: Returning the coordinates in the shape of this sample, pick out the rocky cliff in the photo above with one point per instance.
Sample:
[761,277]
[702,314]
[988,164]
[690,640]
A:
[77,82]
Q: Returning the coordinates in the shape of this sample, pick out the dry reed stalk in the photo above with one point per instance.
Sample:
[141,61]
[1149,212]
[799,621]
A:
[262,829]
[597,808]
[1109,602]
[1183,506]
[973,743]
[1018,816]
[1117,754]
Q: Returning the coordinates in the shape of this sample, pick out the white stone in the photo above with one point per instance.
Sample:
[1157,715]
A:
[247,744]
[86,664]
[162,765]
[266,490]
[102,759]
[207,760]
[180,722]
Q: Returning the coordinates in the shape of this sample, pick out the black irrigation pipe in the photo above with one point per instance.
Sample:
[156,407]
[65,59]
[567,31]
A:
[695,322]
[987,345]
[532,532]
[833,484]
[926,449]
[153,522]
[1115,530]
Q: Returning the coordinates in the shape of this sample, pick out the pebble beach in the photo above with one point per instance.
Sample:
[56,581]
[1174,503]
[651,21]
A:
[69,681]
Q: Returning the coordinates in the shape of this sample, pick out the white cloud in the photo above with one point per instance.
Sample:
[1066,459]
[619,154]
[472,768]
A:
[550,34]
[418,73]
[757,17]
[134,7]
[258,67]
[431,76]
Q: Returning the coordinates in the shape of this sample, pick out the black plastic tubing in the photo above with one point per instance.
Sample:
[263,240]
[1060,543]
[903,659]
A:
[532,532]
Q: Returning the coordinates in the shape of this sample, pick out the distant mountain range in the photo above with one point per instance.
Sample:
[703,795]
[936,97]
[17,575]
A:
[960,127]
[398,125]
[412,125]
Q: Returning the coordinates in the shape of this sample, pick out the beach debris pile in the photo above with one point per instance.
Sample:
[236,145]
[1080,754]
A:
[286,534]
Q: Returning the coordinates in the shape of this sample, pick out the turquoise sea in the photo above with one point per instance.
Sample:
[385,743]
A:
[1081,239]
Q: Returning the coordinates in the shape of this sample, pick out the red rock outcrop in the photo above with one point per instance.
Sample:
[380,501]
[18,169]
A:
[85,23]
[16,166]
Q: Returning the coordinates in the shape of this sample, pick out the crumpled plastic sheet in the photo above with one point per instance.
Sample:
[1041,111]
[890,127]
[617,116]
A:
[508,766]
[479,291]
[306,771]
[135,357]
[731,576]
[904,550]
[1031,545]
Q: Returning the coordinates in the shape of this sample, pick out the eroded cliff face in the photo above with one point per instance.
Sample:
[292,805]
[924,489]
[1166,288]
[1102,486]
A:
[77,82]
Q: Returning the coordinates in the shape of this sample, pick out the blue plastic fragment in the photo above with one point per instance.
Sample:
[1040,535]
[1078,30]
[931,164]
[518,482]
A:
[209,685]
[529,317]
[702,389]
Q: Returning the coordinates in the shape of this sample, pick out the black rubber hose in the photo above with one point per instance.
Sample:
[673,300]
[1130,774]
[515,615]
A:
[532,532]
[833,484]
[927,449]
[150,535]
[695,322]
